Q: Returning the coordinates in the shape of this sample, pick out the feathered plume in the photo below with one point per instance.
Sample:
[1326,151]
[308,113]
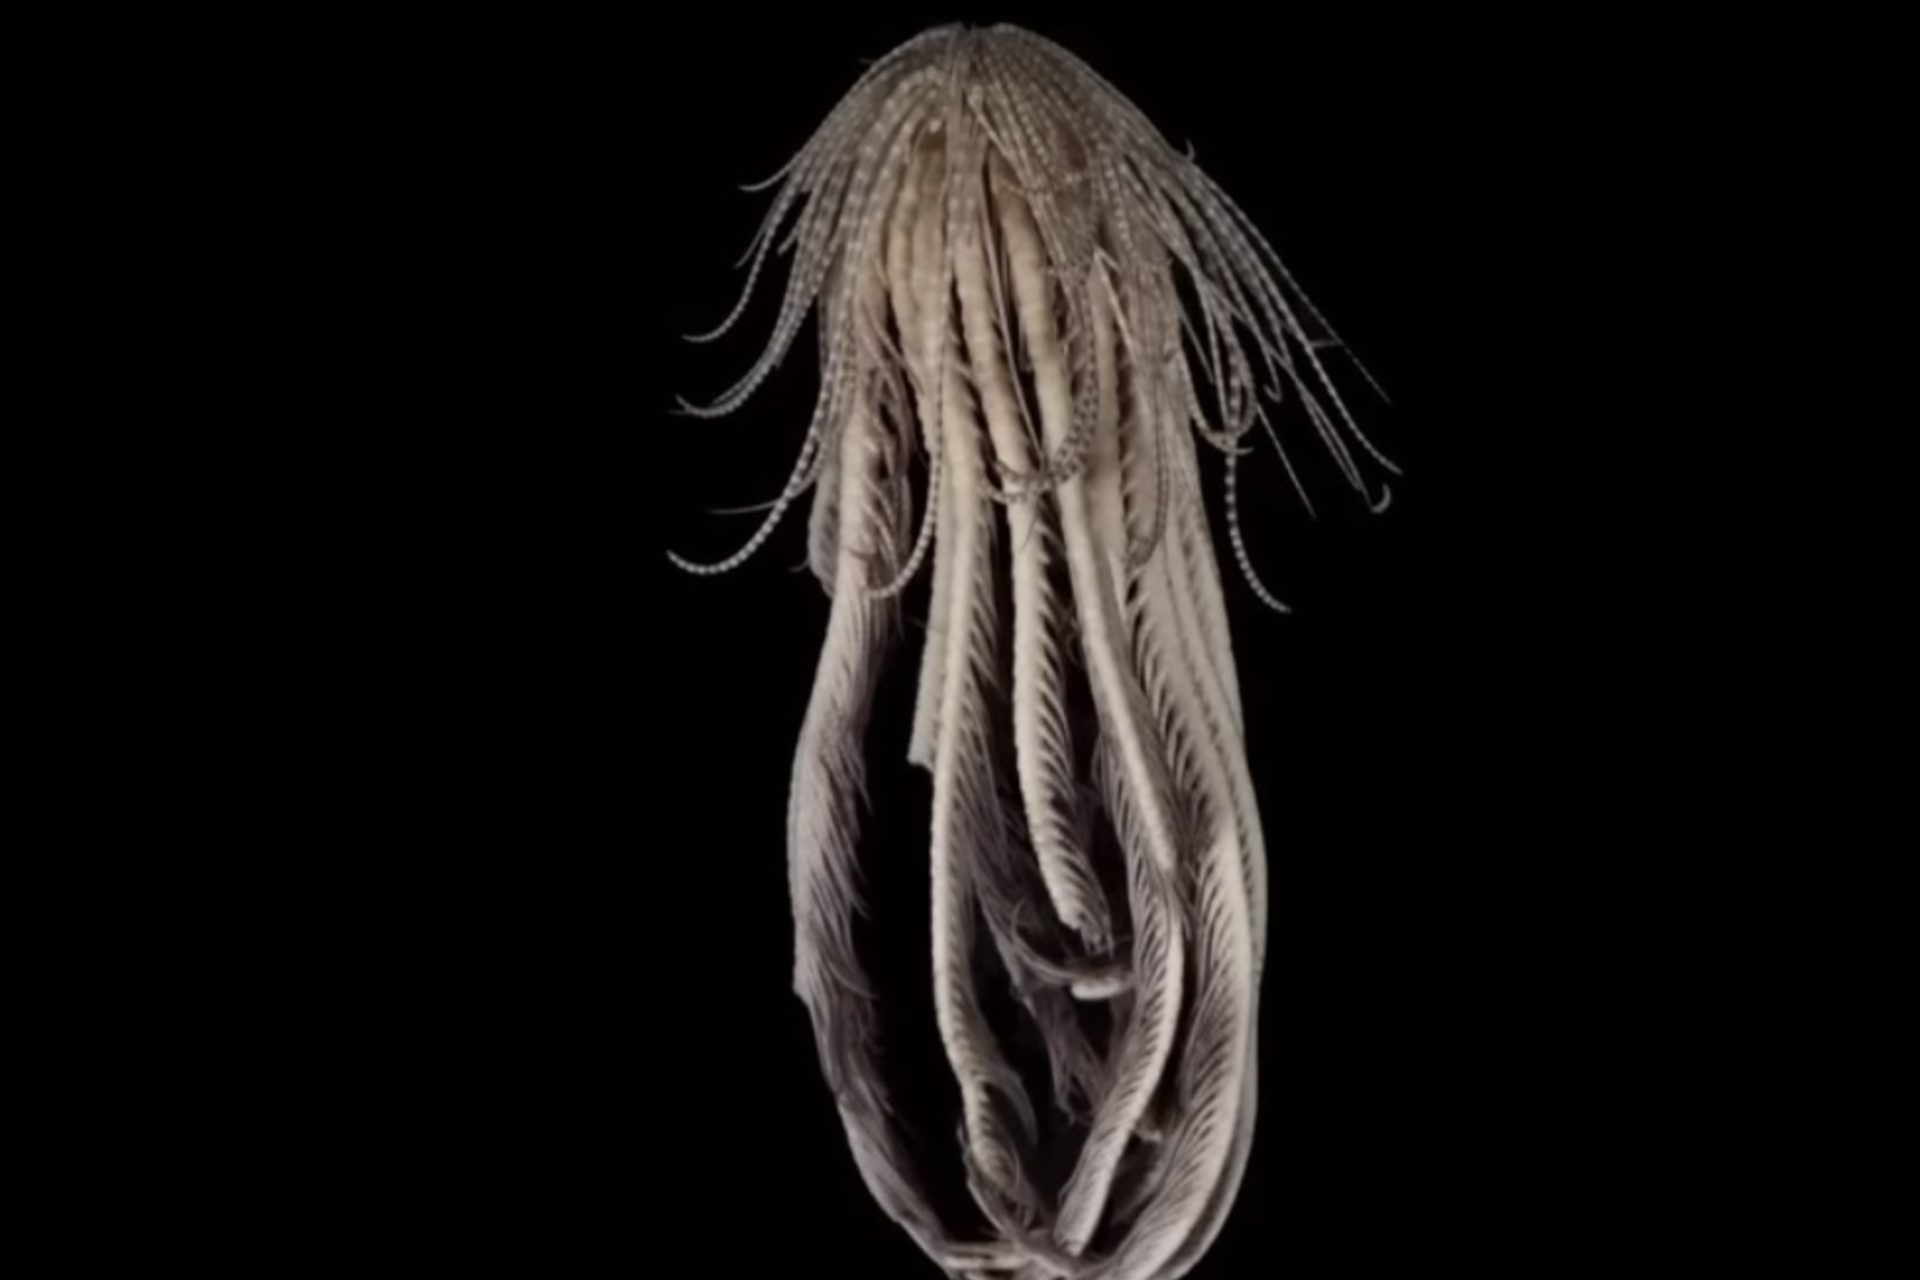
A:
[995,240]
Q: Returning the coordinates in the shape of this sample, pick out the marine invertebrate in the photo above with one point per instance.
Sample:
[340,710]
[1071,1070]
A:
[1033,311]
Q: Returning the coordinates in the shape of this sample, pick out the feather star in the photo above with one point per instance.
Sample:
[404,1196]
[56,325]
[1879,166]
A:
[993,237]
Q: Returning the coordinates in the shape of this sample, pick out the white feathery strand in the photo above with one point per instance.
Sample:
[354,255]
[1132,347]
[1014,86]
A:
[1212,1076]
[958,814]
[1192,715]
[1189,653]
[823,523]
[823,817]
[1231,488]
[1218,1059]
[833,383]
[1148,1040]
[1000,290]
[1145,1035]
[933,656]
[1043,748]
[1207,1230]
[1103,480]
[906,261]
[1197,579]
[821,839]
[1180,179]
[1244,263]
[1206,1157]
[1266,249]
[1116,692]
[848,190]
[796,176]
[963,803]
[1032,170]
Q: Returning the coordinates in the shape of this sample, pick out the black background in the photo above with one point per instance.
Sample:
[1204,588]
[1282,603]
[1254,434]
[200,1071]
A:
[1303,118]
[500,955]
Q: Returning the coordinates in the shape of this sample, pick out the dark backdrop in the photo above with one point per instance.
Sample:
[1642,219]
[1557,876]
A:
[1302,115]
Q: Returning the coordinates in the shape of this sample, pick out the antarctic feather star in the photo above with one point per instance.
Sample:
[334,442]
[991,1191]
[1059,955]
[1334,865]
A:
[994,238]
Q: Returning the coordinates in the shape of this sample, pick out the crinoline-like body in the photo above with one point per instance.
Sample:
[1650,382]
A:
[997,243]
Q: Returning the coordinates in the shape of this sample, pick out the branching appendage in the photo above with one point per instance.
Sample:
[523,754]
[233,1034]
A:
[998,245]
